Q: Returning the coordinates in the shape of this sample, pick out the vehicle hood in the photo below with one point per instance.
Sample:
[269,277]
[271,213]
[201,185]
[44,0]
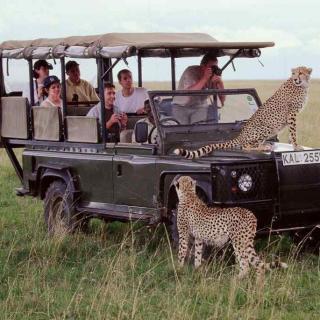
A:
[245,155]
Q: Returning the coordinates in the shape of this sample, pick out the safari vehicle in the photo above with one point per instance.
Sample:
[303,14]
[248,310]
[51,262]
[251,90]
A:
[68,162]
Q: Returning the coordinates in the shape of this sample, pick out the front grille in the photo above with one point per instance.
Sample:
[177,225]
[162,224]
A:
[226,188]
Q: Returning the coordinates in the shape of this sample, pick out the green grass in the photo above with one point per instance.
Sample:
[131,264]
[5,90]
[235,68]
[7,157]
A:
[124,271]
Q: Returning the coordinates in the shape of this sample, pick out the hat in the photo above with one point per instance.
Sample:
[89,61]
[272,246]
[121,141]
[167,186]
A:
[42,63]
[48,81]
[70,64]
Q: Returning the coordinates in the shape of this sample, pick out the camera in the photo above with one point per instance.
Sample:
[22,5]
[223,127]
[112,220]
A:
[75,98]
[216,70]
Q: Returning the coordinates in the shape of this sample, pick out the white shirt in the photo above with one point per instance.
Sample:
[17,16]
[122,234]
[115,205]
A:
[133,102]
[190,76]
[48,103]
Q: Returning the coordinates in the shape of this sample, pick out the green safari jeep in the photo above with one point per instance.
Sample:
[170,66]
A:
[68,162]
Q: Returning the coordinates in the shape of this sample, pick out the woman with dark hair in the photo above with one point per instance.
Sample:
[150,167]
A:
[40,72]
[52,88]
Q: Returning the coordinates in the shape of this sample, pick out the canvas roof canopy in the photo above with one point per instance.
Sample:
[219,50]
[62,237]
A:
[117,45]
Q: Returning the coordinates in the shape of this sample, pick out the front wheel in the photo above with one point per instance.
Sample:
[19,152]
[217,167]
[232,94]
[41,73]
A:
[172,227]
[59,211]
[171,221]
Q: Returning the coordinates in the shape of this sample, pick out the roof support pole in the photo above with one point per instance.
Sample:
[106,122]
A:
[173,72]
[2,85]
[139,71]
[64,88]
[64,97]
[101,75]
[31,84]
[14,160]
[231,59]
[106,66]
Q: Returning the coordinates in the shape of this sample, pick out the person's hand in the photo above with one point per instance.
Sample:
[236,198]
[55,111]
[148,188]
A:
[115,118]
[141,111]
[207,74]
[123,119]
[217,82]
[40,91]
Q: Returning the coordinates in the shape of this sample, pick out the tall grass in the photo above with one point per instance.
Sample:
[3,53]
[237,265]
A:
[128,271]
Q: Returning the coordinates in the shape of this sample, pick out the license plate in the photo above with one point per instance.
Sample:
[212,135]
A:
[300,157]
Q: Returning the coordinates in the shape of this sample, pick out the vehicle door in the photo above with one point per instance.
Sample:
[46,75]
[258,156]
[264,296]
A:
[95,173]
[134,175]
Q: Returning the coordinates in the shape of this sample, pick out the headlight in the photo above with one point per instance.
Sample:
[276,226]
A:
[245,182]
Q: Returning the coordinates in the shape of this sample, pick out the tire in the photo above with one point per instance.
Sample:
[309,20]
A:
[173,229]
[59,210]
[171,221]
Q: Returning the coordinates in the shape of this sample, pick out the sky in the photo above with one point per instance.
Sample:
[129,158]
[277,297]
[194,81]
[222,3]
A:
[293,25]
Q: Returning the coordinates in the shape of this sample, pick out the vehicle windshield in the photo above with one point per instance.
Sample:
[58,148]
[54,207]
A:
[192,108]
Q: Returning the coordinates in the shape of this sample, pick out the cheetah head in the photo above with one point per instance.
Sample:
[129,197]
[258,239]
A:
[185,184]
[301,76]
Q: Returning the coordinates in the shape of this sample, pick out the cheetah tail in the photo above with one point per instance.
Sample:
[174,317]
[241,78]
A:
[188,154]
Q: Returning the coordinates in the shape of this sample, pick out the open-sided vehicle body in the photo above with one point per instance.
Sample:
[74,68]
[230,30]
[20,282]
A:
[134,181]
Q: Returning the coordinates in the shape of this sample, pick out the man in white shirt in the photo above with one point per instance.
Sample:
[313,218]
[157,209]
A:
[130,99]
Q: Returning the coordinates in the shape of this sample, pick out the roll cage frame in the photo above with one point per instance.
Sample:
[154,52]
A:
[171,46]
[104,73]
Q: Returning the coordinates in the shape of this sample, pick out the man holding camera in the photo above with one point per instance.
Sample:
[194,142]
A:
[115,121]
[206,76]
[202,77]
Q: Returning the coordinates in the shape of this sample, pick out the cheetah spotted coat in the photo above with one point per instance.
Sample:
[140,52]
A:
[216,226]
[277,112]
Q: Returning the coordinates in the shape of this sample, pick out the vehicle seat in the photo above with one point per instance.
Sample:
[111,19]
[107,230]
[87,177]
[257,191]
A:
[78,111]
[47,123]
[133,118]
[165,107]
[14,117]
[126,136]
[82,129]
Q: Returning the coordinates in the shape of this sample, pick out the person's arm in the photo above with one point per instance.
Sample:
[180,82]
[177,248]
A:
[90,91]
[123,120]
[144,93]
[218,84]
[140,111]
[200,84]
[115,118]
[93,94]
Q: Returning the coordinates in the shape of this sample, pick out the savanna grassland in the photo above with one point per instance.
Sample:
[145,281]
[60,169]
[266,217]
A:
[125,271]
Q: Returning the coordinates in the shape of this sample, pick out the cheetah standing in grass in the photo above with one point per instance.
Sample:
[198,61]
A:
[216,226]
[278,111]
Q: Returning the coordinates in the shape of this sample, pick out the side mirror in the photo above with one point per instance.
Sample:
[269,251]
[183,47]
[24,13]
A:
[141,132]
